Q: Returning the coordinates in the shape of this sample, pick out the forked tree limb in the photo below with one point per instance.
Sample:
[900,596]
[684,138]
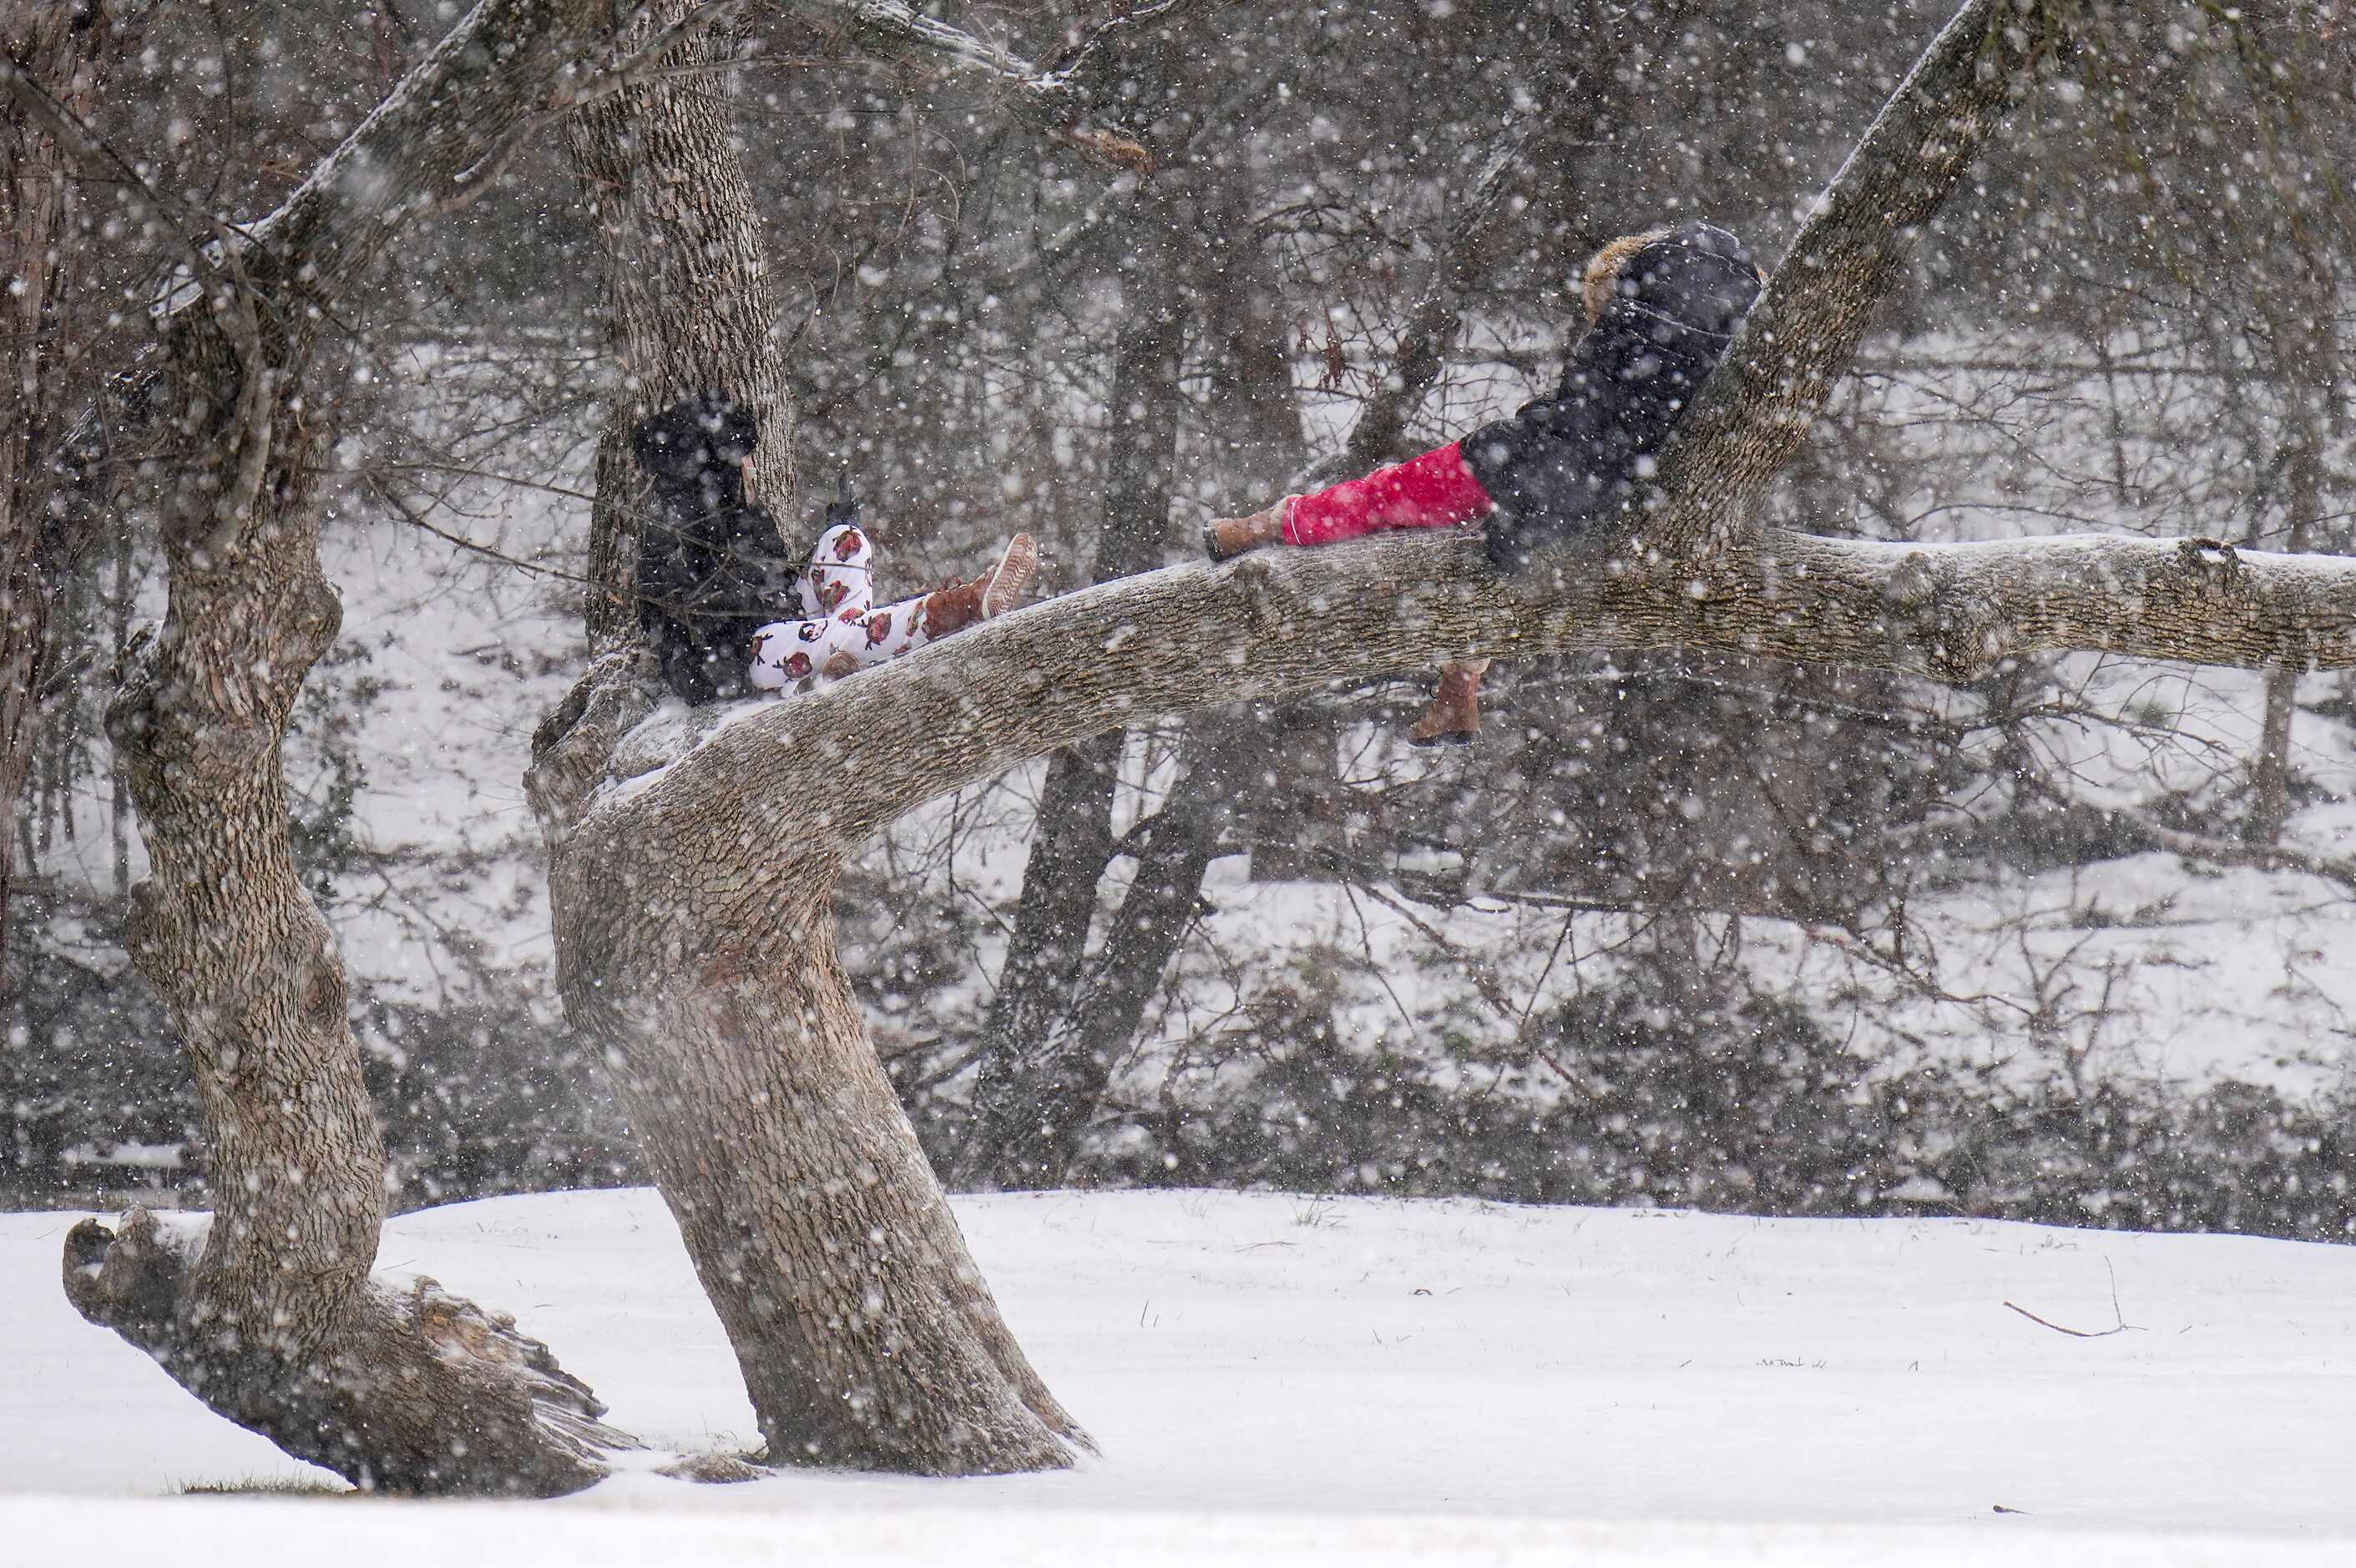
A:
[1803,334]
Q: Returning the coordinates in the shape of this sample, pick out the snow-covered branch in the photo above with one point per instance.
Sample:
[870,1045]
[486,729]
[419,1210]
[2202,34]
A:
[1053,97]
[1284,621]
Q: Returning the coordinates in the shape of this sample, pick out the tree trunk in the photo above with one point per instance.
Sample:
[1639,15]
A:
[268,1314]
[2306,339]
[2270,769]
[688,285]
[1060,1022]
[1224,755]
[864,1330]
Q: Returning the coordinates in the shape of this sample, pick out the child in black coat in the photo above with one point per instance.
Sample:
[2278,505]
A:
[1660,308]
[709,562]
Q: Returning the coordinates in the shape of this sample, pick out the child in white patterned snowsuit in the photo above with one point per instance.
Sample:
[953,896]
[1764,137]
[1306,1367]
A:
[841,632]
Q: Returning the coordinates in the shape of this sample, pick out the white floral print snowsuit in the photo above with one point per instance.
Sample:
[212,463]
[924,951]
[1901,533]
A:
[839,633]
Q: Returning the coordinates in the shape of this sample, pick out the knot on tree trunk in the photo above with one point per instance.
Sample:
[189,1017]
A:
[1937,620]
[2210,566]
[129,1280]
[572,748]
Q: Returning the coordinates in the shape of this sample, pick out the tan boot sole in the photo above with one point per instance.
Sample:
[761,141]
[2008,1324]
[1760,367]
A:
[1011,579]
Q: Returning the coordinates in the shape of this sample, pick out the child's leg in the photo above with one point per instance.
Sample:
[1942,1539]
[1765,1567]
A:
[1453,717]
[840,575]
[1435,490]
[909,624]
[808,653]
[784,651]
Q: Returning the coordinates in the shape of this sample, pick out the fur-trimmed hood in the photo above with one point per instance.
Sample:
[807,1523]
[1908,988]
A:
[1696,276]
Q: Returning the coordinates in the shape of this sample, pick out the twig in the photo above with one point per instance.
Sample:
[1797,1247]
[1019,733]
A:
[2073,1333]
[2119,1323]
[417,518]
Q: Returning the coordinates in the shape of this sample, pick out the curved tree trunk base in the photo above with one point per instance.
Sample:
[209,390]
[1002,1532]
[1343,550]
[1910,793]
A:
[415,1392]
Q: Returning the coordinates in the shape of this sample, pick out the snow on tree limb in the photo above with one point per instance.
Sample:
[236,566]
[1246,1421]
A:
[1288,620]
[1056,98]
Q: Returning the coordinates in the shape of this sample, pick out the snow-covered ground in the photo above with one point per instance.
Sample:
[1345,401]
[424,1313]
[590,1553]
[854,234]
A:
[1294,1380]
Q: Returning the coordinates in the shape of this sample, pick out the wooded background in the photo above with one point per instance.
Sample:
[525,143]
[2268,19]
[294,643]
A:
[2070,942]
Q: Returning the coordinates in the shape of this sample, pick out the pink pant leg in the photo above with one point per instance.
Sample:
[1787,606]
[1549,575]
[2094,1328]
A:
[1435,490]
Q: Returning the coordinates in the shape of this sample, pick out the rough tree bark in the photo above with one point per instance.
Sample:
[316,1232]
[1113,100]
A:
[697,860]
[267,1312]
[687,281]
[862,1328]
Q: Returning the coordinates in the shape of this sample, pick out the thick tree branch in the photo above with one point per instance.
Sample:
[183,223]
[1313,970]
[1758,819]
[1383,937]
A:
[1279,622]
[1805,330]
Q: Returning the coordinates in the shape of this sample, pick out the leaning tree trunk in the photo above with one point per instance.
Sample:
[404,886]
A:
[267,1313]
[862,1328]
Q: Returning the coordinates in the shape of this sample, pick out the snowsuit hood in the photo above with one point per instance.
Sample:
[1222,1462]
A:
[699,442]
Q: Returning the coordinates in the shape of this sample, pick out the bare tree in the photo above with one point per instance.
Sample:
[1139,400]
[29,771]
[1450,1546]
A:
[268,1313]
[64,49]
[693,865]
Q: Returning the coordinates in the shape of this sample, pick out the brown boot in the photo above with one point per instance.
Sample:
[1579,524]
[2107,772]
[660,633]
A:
[996,591]
[1226,537]
[1454,717]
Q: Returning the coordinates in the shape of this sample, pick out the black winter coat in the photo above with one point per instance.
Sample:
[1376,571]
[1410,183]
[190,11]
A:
[1561,463]
[713,568]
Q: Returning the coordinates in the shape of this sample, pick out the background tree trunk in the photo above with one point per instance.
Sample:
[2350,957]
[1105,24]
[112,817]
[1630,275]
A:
[1029,1089]
[1060,1020]
[2307,349]
[63,48]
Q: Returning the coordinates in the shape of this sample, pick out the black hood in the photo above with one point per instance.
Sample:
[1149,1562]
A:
[707,436]
[1697,276]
